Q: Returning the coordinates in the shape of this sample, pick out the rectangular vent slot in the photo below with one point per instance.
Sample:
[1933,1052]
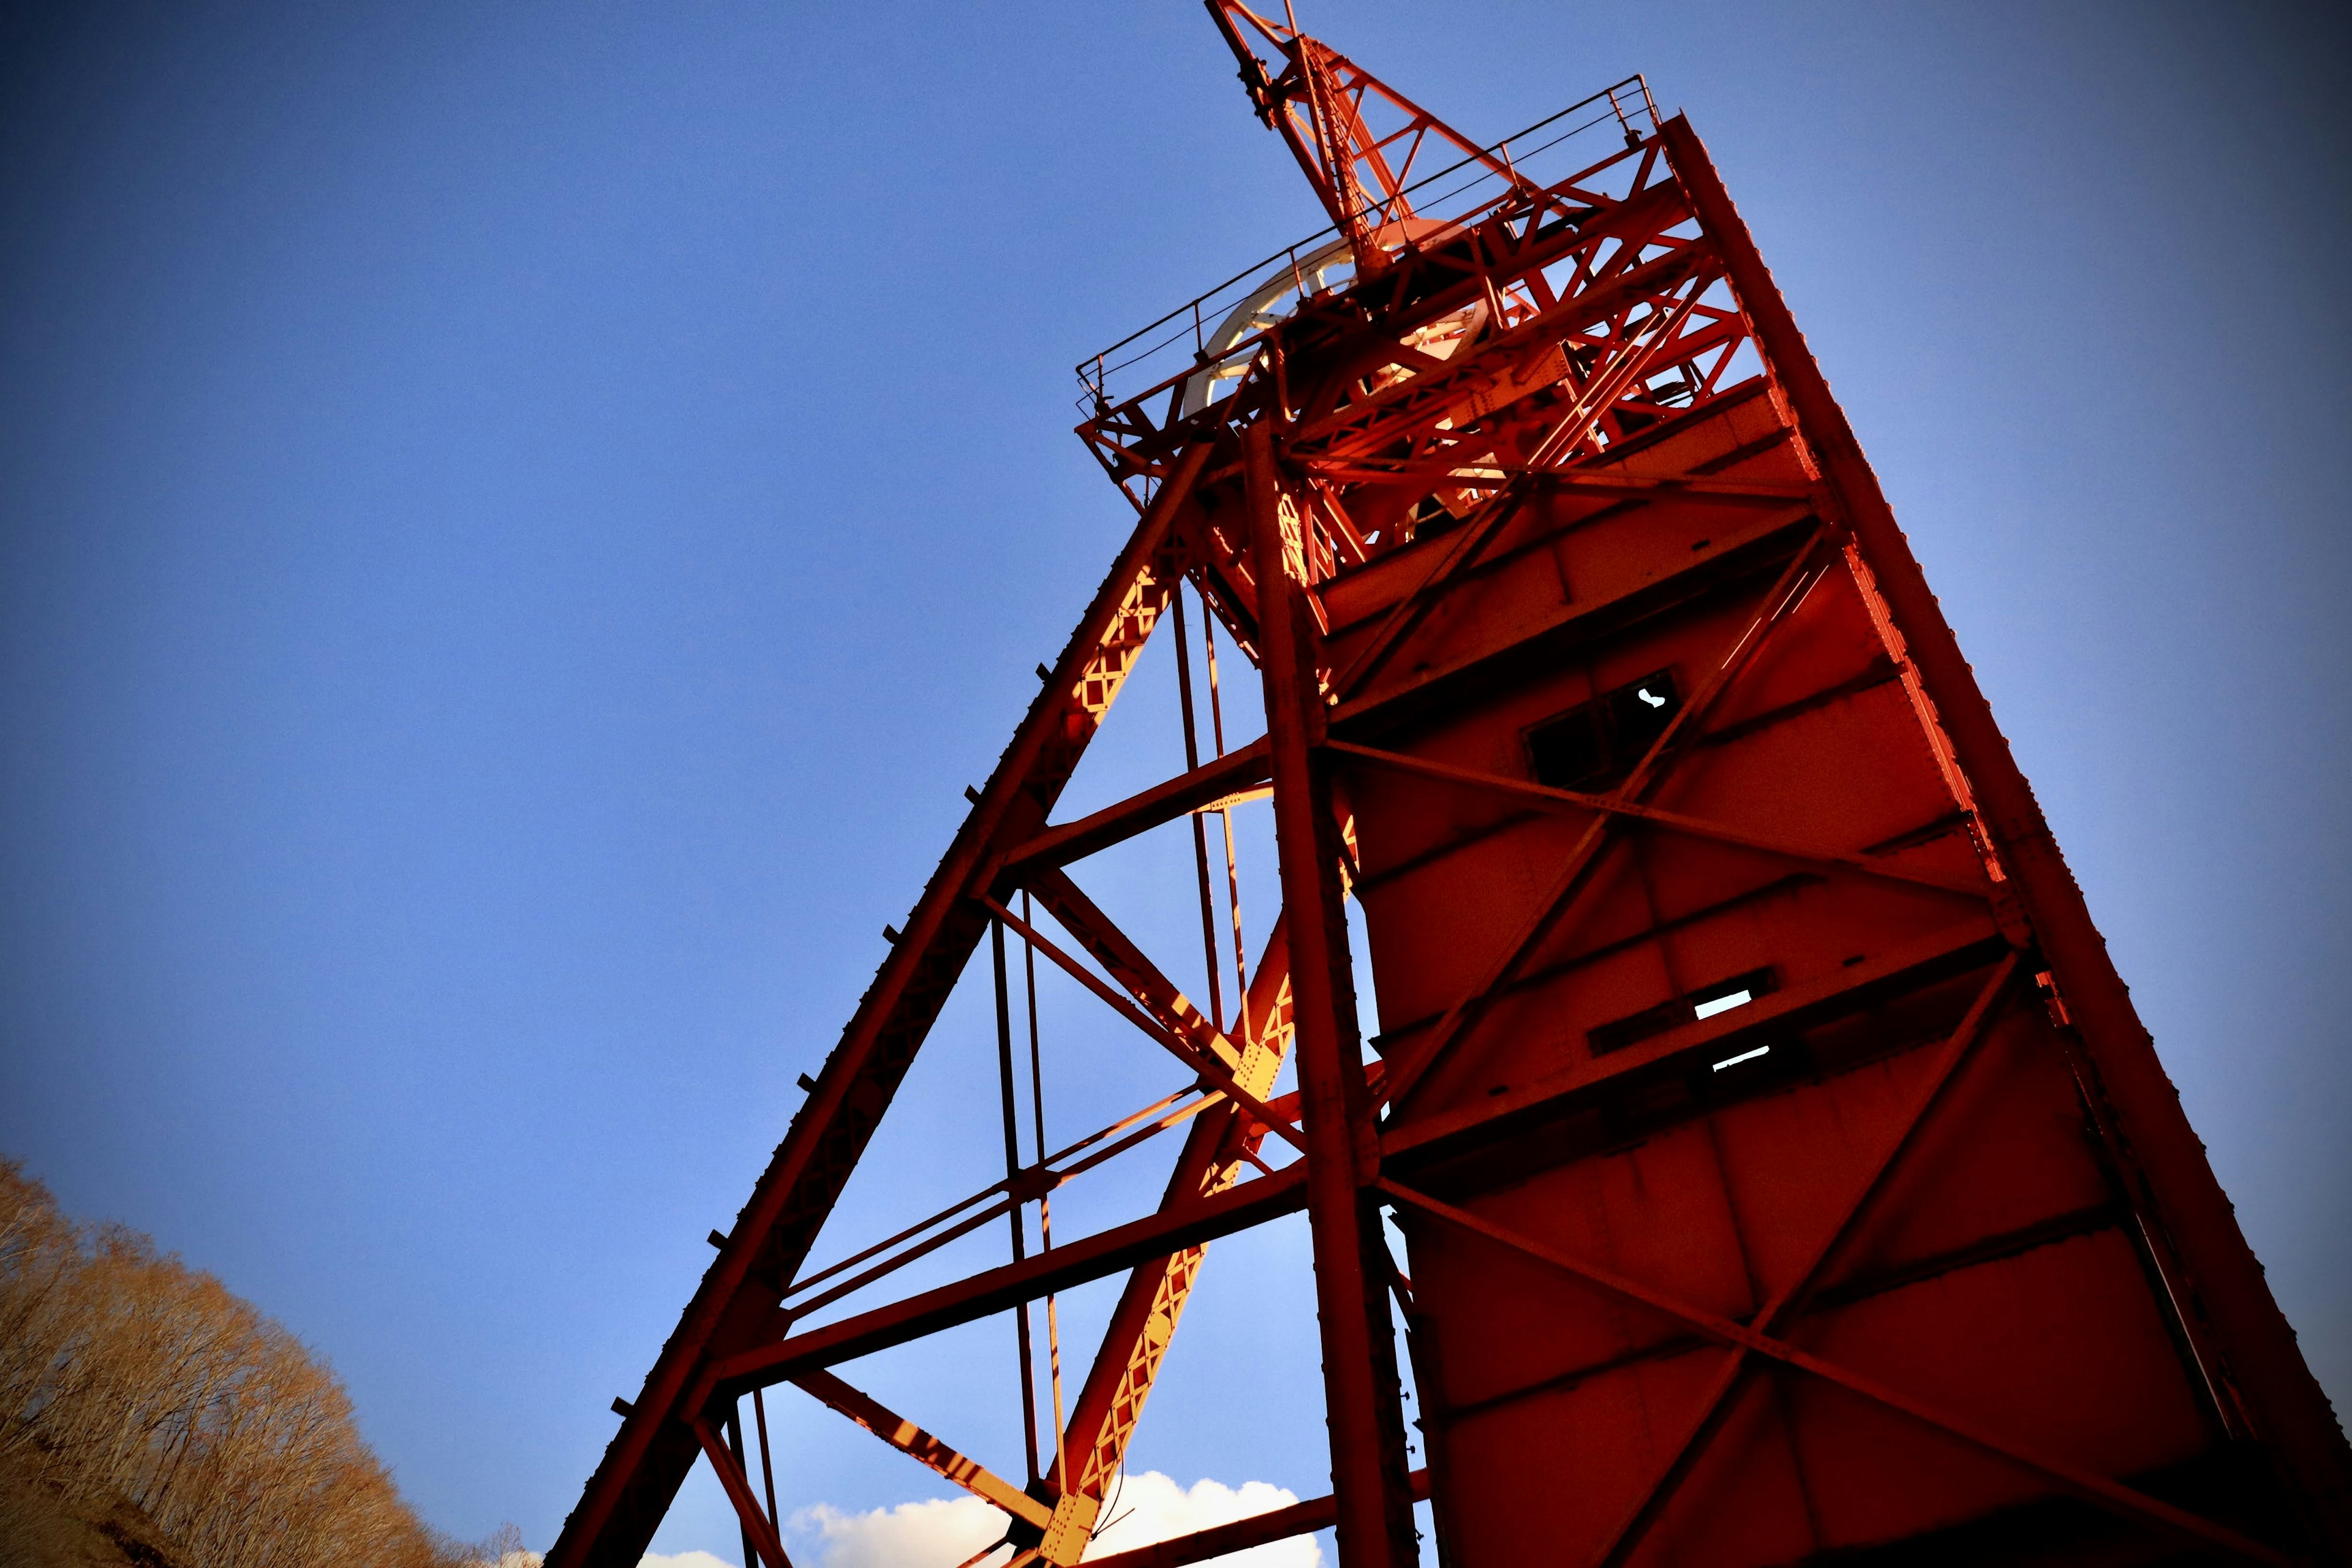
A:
[1706,1001]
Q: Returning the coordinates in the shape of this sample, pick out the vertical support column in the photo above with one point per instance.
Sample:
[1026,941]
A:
[1011,1177]
[1360,1390]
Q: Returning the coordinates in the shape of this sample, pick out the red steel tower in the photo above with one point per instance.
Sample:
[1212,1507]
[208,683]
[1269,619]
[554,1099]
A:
[1783,1170]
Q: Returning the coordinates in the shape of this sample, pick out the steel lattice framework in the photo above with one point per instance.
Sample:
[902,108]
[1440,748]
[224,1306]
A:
[1782,1167]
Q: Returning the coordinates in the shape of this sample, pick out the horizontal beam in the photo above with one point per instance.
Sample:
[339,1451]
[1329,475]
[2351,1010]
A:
[999,1290]
[1906,968]
[1240,1534]
[1163,803]
[1692,826]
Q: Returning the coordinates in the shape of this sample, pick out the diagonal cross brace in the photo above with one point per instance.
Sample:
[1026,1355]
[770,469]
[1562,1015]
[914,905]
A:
[2105,1493]
[1716,1403]
[1784,596]
[1204,1062]
[1151,1303]
[1144,980]
[923,1448]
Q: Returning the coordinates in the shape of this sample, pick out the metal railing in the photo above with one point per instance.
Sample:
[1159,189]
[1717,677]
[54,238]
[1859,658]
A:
[1213,330]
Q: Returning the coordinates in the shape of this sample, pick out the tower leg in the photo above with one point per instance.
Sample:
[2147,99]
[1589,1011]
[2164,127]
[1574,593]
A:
[1369,1474]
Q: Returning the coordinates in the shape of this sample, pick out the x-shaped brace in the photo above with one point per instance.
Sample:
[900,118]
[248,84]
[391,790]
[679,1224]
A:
[1759,1337]
[1205,1062]
[1786,594]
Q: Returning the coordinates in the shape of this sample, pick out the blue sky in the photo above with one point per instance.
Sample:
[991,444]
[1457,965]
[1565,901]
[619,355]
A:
[517,523]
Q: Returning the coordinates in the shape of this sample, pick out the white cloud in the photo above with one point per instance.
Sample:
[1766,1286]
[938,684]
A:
[939,1533]
[943,1533]
[682,1560]
[1151,1507]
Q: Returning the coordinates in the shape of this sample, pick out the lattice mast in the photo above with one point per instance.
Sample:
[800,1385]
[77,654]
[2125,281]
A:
[1323,105]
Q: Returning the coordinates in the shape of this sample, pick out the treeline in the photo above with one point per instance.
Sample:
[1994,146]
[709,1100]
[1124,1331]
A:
[126,1375]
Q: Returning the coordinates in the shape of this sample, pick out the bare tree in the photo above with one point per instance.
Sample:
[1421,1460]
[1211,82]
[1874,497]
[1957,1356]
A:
[126,1374]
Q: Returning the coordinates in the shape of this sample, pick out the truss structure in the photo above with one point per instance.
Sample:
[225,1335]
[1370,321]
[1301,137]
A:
[1782,1167]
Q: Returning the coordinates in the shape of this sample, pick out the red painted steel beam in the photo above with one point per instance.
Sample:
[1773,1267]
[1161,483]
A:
[1163,803]
[757,1530]
[1131,967]
[2224,1282]
[997,1289]
[1752,547]
[1336,148]
[1258,1530]
[923,1447]
[1360,1388]
[1212,1071]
